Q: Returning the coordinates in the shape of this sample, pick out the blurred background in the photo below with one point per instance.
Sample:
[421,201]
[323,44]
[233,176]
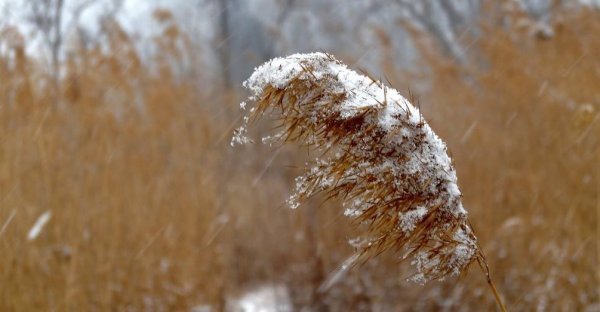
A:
[119,190]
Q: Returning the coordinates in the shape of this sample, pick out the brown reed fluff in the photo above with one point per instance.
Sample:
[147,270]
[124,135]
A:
[376,153]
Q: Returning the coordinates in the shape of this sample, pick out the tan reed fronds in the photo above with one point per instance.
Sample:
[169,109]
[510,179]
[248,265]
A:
[376,153]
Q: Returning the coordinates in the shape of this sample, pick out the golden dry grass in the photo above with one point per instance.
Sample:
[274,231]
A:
[151,209]
[524,136]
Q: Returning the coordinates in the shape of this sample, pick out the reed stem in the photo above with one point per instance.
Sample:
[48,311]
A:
[486,270]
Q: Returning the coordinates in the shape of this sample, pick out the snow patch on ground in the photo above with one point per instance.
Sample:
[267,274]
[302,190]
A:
[265,298]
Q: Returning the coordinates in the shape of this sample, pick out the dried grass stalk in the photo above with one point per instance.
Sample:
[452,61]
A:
[376,153]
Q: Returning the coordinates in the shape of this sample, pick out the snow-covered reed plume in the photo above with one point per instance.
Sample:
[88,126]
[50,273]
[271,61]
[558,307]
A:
[376,153]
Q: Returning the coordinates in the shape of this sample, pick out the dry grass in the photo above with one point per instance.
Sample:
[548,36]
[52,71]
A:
[151,209]
[525,142]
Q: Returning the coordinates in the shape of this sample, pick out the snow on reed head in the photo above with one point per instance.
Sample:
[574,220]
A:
[376,153]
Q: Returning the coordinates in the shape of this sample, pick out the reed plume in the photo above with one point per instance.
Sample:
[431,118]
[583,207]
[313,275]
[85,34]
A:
[375,153]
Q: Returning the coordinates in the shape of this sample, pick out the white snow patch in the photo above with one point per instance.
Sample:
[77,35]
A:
[266,298]
[410,219]
[278,72]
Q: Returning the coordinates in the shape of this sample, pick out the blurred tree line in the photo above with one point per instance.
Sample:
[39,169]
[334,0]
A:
[233,36]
